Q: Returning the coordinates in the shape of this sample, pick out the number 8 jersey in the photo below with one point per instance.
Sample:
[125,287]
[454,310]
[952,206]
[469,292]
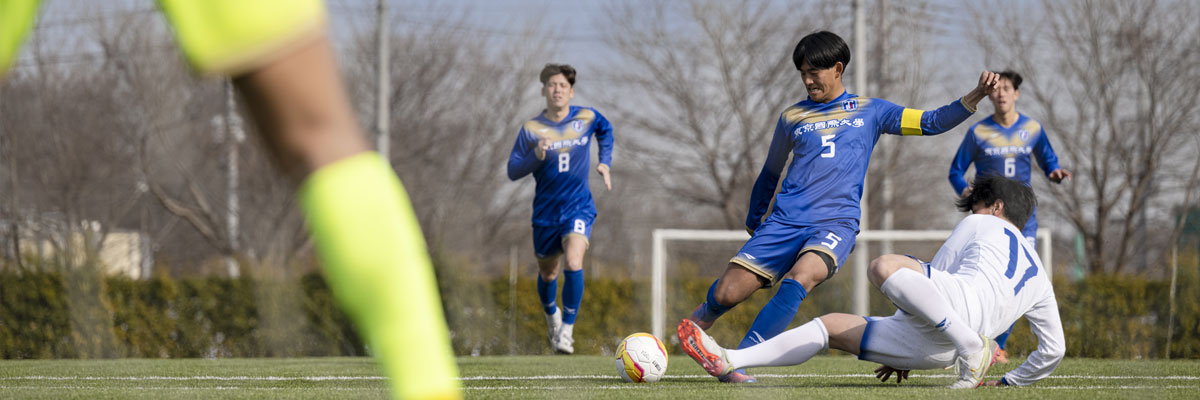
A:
[562,178]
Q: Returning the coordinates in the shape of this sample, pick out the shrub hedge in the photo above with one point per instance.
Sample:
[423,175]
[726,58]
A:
[42,316]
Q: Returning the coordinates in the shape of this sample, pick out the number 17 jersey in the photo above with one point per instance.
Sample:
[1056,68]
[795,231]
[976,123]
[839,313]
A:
[991,276]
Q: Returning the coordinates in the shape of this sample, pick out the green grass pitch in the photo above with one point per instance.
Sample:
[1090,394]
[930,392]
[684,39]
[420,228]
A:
[565,377]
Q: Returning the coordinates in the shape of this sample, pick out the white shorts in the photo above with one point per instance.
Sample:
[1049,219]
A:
[904,341]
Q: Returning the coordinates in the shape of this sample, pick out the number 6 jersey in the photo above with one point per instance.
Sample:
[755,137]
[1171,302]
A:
[562,178]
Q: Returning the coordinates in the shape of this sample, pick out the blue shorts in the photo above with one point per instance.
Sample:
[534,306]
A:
[775,246]
[548,240]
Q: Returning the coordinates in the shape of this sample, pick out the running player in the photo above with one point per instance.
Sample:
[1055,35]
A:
[555,147]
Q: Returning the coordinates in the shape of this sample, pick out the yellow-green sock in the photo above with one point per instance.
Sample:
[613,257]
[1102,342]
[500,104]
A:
[16,17]
[378,267]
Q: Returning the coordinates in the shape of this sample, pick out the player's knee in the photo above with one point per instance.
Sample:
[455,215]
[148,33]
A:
[844,331]
[548,268]
[574,264]
[882,267]
[728,295]
[810,274]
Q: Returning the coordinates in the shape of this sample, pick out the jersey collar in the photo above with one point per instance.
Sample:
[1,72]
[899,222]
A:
[842,97]
[571,111]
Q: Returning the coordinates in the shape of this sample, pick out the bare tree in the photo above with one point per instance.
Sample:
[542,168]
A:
[898,70]
[1116,81]
[457,101]
[702,83]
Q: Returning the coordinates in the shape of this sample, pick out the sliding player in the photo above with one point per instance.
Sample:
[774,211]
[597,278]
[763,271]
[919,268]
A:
[982,279]
[555,148]
[805,239]
[364,228]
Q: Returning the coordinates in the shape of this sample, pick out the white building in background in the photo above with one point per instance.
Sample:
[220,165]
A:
[119,252]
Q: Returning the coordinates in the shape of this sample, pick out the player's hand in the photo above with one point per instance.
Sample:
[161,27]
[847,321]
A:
[992,383]
[542,147]
[988,81]
[966,192]
[1058,175]
[884,372]
[603,170]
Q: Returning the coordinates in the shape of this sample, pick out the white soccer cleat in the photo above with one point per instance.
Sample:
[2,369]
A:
[972,368]
[704,350]
[565,343]
[554,324]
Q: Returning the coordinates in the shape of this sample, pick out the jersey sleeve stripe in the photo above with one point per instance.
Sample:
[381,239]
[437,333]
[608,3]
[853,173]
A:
[910,122]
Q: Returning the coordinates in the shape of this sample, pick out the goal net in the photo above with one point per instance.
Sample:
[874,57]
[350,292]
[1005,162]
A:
[711,244]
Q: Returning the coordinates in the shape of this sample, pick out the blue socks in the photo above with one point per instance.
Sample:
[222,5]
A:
[572,294]
[776,315]
[711,309]
[547,291]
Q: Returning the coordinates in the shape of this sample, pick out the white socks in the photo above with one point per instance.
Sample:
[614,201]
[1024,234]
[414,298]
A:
[917,295]
[791,347]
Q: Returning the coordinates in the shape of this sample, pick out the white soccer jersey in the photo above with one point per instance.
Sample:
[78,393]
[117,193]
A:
[997,278]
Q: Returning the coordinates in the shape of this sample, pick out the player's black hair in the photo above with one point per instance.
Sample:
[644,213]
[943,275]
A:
[1018,197]
[822,50]
[554,69]
[1013,77]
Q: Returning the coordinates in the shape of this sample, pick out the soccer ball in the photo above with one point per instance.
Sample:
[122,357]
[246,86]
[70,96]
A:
[641,357]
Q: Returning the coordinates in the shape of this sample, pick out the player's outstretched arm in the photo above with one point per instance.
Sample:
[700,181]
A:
[897,120]
[1046,325]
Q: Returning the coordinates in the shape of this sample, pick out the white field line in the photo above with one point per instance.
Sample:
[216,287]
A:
[611,387]
[239,388]
[567,377]
[533,377]
[192,378]
[1110,387]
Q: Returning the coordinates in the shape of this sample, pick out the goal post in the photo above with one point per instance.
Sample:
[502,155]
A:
[858,259]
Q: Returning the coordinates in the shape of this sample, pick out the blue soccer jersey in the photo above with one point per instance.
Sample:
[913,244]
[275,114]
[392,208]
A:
[562,178]
[997,150]
[831,146]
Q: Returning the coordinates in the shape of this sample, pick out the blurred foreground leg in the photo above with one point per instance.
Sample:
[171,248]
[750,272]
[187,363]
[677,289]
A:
[366,234]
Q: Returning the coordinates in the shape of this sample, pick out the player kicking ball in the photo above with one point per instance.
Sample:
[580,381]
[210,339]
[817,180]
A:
[801,234]
[554,147]
[983,278]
